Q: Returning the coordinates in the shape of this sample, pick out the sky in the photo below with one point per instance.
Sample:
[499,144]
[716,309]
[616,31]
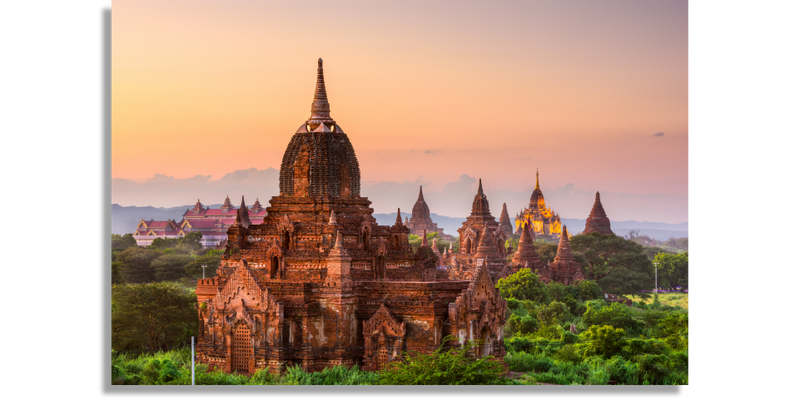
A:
[594,94]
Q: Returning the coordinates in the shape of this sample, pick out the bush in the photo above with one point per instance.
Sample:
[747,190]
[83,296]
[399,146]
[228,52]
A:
[552,314]
[615,314]
[523,285]
[524,325]
[568,354]
[444,367]
[603,340]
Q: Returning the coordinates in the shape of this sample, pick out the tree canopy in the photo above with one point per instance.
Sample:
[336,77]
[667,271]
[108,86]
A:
[152,316]
[618,265]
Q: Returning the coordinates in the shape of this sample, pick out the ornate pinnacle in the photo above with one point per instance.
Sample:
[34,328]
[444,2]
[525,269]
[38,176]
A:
[424,237]
[320,108]
[537,177]
[480,187]
[399,220]
[338,244]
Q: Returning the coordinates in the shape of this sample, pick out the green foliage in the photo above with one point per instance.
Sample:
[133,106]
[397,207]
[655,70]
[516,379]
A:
[674,330]
[338,375]
[120,243]
[135,262]
[444,367]
[590,290]
[552,314]
[522,325]
[618,265]
[673,270]
[603,340]
[523,285]
[194,269]
[116,273]
[170,267]
[151,316]
[546,251]
[614,314]
[568,354]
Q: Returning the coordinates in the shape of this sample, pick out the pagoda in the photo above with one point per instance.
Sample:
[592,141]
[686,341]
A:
[421,219]
[319,283]
[597,220]
[541,218]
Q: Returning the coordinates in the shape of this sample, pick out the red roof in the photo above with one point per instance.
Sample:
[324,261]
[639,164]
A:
[202,223]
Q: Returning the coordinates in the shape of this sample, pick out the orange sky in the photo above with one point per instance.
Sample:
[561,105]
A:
[430,91]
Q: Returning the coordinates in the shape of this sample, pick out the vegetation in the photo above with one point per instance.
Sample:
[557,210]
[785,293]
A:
[178,259]
[153,316]
[619,266]
[568,335]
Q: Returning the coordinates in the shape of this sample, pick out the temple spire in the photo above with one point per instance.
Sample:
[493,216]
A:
[537,177]
[480,187]
[425,237]
[320,108]
[420,198]
[399,220]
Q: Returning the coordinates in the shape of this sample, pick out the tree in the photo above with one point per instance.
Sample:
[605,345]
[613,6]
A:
[190,242]
[116,273]
[673,269]
[119,243]
[546,251]
[603,340]
[194,270]
[170,267]
[135,262]
[618,265]
[552,314]
[523,285]
[152,316]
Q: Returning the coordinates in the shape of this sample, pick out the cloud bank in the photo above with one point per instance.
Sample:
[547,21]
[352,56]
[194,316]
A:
[454,199]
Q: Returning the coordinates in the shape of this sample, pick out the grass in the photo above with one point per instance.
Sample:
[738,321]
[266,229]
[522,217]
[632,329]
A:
[674,299]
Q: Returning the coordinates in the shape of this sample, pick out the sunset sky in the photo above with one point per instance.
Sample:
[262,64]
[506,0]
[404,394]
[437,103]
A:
[207,94]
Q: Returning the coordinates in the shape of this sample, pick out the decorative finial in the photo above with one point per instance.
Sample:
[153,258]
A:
[537,177]
[320,108]
[399,220]
[332,220]
[480,187]
[338,234]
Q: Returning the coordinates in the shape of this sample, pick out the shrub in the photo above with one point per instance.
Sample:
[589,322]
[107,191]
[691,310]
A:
[524,325]
[520,361]
[603,340]
[551,314]
[616,315]
[444,367]
[523,285]
[568,354]
[590,290]
[338,375]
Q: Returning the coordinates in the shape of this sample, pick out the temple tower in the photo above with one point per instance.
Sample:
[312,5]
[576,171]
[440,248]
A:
[597,220]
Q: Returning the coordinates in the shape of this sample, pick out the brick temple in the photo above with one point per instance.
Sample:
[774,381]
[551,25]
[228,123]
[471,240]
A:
[421,221]
[597,220]
[319,283]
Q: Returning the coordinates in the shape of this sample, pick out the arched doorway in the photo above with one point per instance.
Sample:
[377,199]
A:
[242,349]
[274,264]
[485,346]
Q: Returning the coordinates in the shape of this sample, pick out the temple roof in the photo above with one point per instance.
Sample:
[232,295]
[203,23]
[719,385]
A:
[564,252]
[420,210]
[537,198]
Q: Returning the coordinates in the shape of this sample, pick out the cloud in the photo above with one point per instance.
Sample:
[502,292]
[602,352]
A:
[659,134]
[168,191]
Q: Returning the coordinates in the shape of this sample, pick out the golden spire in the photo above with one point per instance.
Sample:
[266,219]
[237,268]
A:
[537,177]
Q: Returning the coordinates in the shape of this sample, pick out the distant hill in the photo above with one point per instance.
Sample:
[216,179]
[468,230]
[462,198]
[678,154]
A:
[125,219]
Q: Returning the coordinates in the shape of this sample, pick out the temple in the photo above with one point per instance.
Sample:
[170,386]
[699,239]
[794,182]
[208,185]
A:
[319,283]
[538,216]
[421,220]
[563,269]
[482,241]
[597,220]
[505,222]
[212,223]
